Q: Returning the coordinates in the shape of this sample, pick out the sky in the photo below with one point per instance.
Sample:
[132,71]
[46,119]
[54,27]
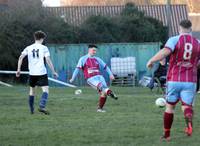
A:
[51,2]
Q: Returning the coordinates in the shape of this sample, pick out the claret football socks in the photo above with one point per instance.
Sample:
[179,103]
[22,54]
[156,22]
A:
[112,95]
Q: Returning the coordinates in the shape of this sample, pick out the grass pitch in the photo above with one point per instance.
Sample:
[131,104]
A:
[133,120]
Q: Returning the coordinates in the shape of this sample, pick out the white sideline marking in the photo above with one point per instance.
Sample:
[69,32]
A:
[26,72]
[6,84]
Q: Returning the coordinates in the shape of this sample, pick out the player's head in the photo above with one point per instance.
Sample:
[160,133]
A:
[39,35]
[185,26]
[92,49]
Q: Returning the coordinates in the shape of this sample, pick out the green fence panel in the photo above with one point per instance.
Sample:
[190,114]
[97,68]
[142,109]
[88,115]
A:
[65,57]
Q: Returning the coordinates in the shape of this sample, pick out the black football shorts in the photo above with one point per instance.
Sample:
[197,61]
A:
[40,80]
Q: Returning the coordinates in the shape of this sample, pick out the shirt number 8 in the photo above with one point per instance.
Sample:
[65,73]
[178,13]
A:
[187,51]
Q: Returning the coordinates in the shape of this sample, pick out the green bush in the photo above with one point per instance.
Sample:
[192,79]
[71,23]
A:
[24,17]
[18,24]
[97,29]
[130,26]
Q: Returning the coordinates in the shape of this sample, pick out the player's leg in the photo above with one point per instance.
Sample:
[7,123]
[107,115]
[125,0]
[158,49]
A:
[111,94]
[168,117]
[32,82]
[44,97]
[105,91]
[102,101]
[187,98]
[43,82]
[31,99]
[95,83]
[43,100]
[188,114]
[104,88]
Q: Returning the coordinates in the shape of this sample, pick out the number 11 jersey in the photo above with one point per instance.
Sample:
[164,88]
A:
[36,54]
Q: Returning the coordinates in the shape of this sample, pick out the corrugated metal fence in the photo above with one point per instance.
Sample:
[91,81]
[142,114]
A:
[65,57]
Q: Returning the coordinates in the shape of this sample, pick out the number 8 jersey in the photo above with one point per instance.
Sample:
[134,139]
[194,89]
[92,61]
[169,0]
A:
[36,53]
[184,58]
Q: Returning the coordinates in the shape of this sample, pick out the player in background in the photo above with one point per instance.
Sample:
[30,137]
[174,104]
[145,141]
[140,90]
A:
[91,65]
[184,51]
[37,71]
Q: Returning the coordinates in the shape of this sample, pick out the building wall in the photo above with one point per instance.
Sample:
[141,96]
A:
[195,18]
[3,5]
[193,5]
[4,2]
[66,63]
[117,2]
[75,15]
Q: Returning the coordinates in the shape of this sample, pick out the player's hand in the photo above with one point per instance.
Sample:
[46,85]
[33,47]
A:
[71,80]
[55,74]
[112,77]
[149,64]
[18,74]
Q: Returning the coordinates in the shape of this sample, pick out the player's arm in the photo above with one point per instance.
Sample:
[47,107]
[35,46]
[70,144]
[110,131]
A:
[109,72]
[105,67]
[76,71]
[50,64]
[19,64]
[162,54]
[167,50]
[74,75]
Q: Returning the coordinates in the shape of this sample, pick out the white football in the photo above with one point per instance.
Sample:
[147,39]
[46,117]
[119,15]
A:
[160,102]
[78,91]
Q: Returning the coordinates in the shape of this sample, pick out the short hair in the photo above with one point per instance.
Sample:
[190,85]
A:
[162,46]
[92,46]
[39,35]
[185,24]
